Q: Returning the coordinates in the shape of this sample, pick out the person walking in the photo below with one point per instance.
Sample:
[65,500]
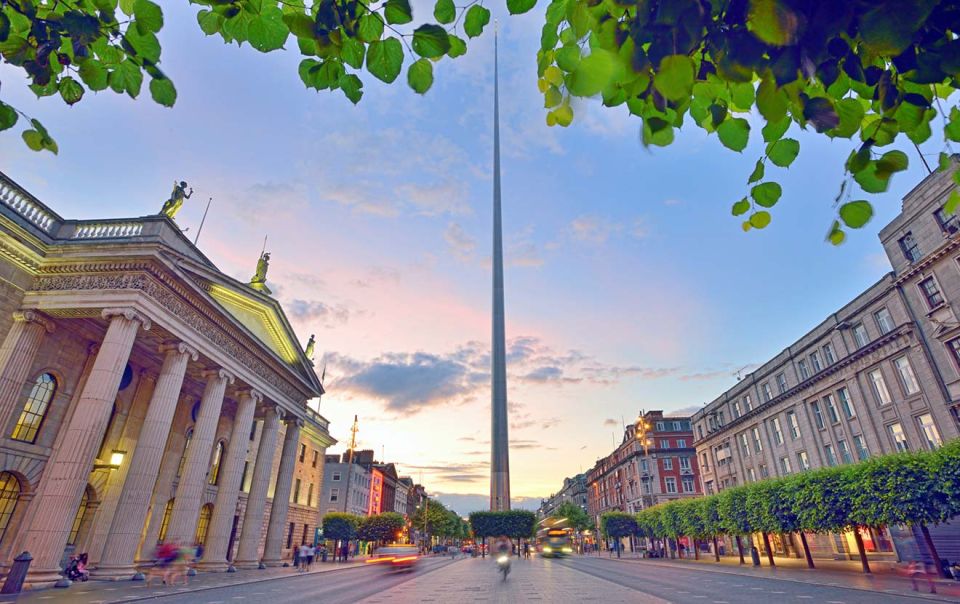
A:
[296,557]
[526,550]
[304,556]
[311,553]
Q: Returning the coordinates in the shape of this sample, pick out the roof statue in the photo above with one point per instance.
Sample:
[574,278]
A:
[311,343]
[177,197]
[259,280]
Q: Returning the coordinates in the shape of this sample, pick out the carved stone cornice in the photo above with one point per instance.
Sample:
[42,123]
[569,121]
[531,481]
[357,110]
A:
[252,393]
[160,287]
[218,374]
[33,316]
[130,314]
[180,348]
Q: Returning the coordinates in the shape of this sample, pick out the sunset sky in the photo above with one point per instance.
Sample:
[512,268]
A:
[628,284]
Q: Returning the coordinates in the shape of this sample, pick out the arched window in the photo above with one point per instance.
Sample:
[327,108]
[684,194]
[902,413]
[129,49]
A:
[35,409]
[214,474]
[9,495]
[78,519]
[186,447]
[206,512]
[166,521]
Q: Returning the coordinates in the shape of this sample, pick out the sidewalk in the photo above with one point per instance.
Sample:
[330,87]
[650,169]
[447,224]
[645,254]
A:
[100,592]
[835,573]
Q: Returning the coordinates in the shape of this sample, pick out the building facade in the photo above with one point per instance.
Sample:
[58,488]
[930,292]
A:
[132,376]
[338,495]
[574,490]
[880,375]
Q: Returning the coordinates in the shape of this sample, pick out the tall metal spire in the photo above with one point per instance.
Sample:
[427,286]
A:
[499,441]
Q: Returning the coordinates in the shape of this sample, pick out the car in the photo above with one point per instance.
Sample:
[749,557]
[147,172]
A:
[396,558]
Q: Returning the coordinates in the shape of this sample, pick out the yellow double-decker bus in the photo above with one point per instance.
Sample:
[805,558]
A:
[554,538]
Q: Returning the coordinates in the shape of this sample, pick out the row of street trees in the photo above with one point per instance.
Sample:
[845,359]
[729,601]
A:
[378,528]
[515,524]
[917,489]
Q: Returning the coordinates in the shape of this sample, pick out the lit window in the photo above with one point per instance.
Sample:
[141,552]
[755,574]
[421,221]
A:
[165,522]
[744,445]
[736,409]
[898,437]
[794,425]
[9,496]
[748,403]
[35,409]
[880,387]
[861,444]
[777,432]
[911,250]
[214,475]
[860,335]
[831,409]
[907,379]
[845,403]
[757,446]
[884,320]
[931,292]
[803,460]
[817,415]
[828,354]
[929,430]
[295,496]
[203,523]
[781,383]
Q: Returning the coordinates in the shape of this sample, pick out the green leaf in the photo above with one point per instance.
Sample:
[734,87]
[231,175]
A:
[771,102]
[952,129]
[850,112]
[93,74]
[352,87]
[8,116]
[855,214]
[773,21]
[33,139]
[774,130]
[4,26]
[952,202]
[370,28]
[741,207]
[568,57]
[210,21]
[149,16]
[70,90]
[757,174]
[430,41]
[352,52]
[592,74]
[734,133]
[398,12]
[420,76]
[944,161]
[385,59]
[445,11]
[783,152]
[891,162]
[268,32]
[836,236]
[457,47]
[518,7]
[766,194]
[477,18]
[300,25]
[760,220]
[819,111]
[675,77]
[132,77]
[563,115]
[552,97]
[871,180]
[163,91]
[144,45]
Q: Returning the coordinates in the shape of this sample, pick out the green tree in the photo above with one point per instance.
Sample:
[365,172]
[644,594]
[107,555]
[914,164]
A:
[432,518]
[875,73]
[616,525]
[732,507]
[712,525]
[576,516]
[340,527]
[381,527]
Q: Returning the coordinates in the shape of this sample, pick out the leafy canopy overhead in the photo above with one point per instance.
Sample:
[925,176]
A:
[875,72]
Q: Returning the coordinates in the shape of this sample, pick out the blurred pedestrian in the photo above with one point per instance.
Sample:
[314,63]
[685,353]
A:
[296,557]
[311,553]
[304,554]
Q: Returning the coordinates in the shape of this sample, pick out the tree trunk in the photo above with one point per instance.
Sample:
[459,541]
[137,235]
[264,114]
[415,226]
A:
[740,549]
[861,550]
[618,545]
[806,550]
[483,549]
[766,544]
[933,551]
[716,550]
[696,550]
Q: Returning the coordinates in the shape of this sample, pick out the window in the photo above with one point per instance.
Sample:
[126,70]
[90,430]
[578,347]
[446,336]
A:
[334,495]
[744,445]
[310,495]
[815,361]
[880,387]
[898,437]
[777,432]
[681,443]
[720,421]
[804,372]
[828,354]
[9,496]
[78,518]
[931,291]
[706,464]
[831,456]
[884,320]
[845,451]
[860,335]
[751,475]
[335,477]
[785,465]
[831,409]
[748,403]
[295,496]
[764,472]
[767,392]
[845,403]
[757,446]
[687,484]
[659,426]
[316,455]
[929,430]
[907,379]
[684,463]
[290,535]
[203,523]
[803,461]
[736,409]
[165,521]
[214,475]
[644,467]
[303,452]
[794,425]
[861,445]
[948,222]
[664,444]
[35,409]
[667,463]
[911,250]
[709,487]
[671,483]
[700,431]
[186,447]
[817,415]
[781,383]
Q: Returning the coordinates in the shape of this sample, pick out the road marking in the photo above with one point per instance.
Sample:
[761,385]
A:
[805,597]
[835,602]
[776,592]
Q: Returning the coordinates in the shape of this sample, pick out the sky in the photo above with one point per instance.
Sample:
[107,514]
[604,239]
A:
[629,285]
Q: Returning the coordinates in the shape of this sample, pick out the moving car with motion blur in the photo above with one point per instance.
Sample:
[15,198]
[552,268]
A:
[396,558]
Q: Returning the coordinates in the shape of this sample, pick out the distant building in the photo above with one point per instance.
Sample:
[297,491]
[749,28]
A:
[574,490]
[335,496]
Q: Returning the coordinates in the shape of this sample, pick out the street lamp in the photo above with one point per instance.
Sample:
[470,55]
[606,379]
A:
[116,460]
[643,427]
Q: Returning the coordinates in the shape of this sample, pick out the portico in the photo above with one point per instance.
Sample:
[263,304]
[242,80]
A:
[124,341]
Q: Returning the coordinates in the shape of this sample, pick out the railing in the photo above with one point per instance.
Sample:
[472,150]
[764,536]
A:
[104,230]
[23,204]
[317,418]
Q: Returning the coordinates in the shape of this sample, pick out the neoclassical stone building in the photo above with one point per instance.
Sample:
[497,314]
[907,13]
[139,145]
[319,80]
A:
[144,395]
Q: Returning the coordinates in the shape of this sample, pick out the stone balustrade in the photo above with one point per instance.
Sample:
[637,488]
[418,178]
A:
[105,230]
[25,205]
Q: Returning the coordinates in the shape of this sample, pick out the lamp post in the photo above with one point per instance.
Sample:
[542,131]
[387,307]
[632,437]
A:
[114,463]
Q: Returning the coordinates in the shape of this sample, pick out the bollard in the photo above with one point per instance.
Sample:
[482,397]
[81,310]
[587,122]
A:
[18,572]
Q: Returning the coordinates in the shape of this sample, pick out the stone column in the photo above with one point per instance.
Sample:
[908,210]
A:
[228,491]
[186,503]
[247,555]
[16,358]
[127,522]
[68,469]
[281,494]
[163,489]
